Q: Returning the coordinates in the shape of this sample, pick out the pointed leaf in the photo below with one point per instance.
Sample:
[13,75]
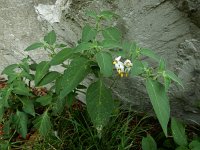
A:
[160,102]
[43,124]
[50,38]
[88,33]
[83,46]
[21,121]
[6,129]
[61,56]
[137,68]
[59,105]
[44,100]
[194,145]
[33,66]
[25,65]
[182,148]
[167,82]
[26,75]
[162,65]
[100,104]
[34,46]
[21,89]
[148,143]
[9,70]
[49,77]
[4,97]
[172,76]
[58,84]
[73,75]
[104,61]
[41,70]
[110,44]
[129,48]
[28,106]
[112,33]
[178,132]
[150,54]
[12,78]
[5,145]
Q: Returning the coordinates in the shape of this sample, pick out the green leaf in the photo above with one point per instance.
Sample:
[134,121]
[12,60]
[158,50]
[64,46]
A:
[160,102]
[9,70]
[172,76]
[61,56]
[110,44]
[41,70]
[83,46]
[150,54]
[194,145]
[59,105]
[28,106]
[162,65]
[6,128]
[12,78]
[88,33]
[34,46]
[178,132]
[49,77]
[21,121]
[73,75]
[129,48]
[70,99]
[4,97]
[50,38]
[118,52]
[100,104]
[44,100]
[24,65]
[58,85]
[4,145]
[167,82]
[26,75]
[148,143]
[112,33]
[137,68]
[43,124]
[182,148]
[104,61]
[33,66]
[21,89]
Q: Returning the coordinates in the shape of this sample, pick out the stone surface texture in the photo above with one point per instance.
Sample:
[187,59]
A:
[170,28]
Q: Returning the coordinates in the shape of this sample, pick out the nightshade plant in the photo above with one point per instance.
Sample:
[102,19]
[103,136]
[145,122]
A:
[100,51]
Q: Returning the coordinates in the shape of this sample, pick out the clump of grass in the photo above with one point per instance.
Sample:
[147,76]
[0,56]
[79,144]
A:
[74,131]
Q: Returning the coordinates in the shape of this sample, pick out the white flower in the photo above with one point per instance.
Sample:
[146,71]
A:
[122,68]
[117,59]
[128,63]
[119,66]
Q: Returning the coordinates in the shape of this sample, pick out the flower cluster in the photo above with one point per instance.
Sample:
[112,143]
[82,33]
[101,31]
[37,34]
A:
[122,68]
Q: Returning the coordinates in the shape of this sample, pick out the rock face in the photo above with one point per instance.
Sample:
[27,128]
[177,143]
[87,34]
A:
[170,28]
